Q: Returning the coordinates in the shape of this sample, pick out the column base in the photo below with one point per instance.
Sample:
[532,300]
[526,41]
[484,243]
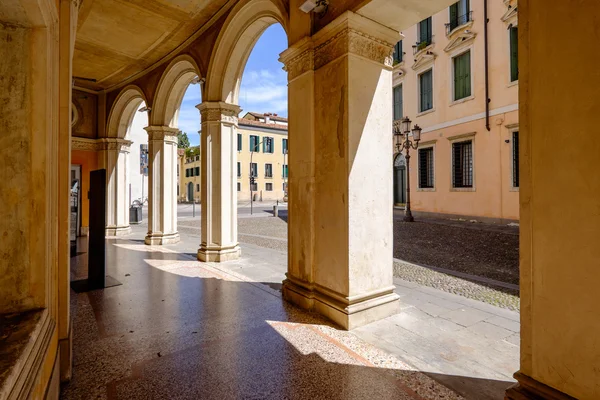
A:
[215,254]
[528,388]
[118,230]
[347,312]
[159,238]
[66,356]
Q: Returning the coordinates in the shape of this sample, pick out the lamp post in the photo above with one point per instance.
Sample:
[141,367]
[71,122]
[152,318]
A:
[401,132]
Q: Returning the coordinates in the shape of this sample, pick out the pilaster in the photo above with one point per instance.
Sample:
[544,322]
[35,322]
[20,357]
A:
[218,179]
[162,182]
[340,261]
[114,155]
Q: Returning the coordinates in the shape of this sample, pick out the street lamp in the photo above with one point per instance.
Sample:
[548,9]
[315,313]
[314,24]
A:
[401,132]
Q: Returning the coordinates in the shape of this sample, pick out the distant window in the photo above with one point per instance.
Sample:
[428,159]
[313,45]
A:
[398,53]
[197,187]
[254,144]
[426,168]
[515,158]
[239,169]
[285,186]
[268,170]
[268,144]
[398,112]
[177,190]
[197,171]
[254,170]
[187,172]
[269,187]
[285,170]
[514,54]
[459,14]
[462,164]
[254,187]
[239,143]
[239,187]
[462,75]
[425,33]
[284,146]
[426,91]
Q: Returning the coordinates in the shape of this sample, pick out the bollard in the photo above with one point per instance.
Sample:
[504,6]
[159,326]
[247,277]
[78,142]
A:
[276,211]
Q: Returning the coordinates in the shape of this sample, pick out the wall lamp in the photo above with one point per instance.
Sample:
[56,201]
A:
[197,80]
[316,6]
[145,109]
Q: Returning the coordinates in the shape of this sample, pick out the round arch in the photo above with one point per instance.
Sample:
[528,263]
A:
[170,90]
[242,29]
[123,110]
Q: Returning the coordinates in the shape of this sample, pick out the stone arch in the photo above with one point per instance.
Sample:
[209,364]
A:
[123,110]
[243,27]
[170,90]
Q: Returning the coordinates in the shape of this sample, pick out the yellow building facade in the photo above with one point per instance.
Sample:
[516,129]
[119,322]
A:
[465,98]
[189,178]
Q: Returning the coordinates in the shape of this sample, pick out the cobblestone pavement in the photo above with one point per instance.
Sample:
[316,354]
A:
[445,241]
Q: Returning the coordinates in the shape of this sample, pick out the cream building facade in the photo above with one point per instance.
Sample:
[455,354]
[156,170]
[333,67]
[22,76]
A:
[458,79]
[340,76]
[189,176]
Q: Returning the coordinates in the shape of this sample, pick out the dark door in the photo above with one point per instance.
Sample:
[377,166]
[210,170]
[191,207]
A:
[399,180]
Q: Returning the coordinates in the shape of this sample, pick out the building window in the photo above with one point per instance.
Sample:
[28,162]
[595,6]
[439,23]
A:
[269,187]
[254,187]
[197,171]
[426,168]
[268,144]
[177,190]
[398,112]
[284,146]
[514,54]
[426,91]
[462,164]
[459,15]
[239,187]
[239,144]
[285,186]
[398,53]
[462,76]
[254,169]
[187,172]
[515,159]
[285,170]
[424,33]
[268,170]
[197,187]
[239,169]
[254,144]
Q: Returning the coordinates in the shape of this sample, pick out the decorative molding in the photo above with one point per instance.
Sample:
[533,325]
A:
[461,136]
[78,143]
[528,388]
[219,112]
[299,58]
[114,144]
[162,133]
[460,40]
[423,60]
[510,17]
[466,26]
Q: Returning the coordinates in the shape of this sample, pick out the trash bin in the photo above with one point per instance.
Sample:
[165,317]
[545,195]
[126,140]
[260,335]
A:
[135,214]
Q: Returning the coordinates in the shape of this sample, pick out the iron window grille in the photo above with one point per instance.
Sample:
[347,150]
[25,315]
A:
[426,168]
[515,159]
[462,168]
[254,187]
[269,187]
[268,170]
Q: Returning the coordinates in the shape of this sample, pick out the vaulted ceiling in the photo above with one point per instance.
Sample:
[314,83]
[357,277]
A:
[117,39]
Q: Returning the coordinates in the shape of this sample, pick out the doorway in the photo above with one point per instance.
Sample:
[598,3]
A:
[399,179]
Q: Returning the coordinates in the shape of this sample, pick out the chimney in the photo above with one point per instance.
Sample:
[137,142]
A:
[267,118]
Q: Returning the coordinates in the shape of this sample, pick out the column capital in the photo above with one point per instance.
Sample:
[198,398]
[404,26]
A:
[114,144]
[162,133]
[219,111]
[298,58]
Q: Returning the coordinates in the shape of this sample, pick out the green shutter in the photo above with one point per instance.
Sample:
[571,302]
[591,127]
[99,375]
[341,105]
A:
[265,150]
[426,88]
[398,102]
[514,54]
[453,16]
[462,76]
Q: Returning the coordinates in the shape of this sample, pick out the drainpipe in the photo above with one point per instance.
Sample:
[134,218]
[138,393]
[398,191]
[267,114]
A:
[487,80]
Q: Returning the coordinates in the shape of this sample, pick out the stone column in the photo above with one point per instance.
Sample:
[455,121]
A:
[218,177]
[162,185]
[114,155]
[341,232]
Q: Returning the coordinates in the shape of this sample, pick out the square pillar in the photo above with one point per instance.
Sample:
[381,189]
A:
[114,156]
[341,100]
[162,185]
[218,177]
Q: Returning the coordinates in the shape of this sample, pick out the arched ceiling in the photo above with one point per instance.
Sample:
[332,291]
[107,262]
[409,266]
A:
[117,39]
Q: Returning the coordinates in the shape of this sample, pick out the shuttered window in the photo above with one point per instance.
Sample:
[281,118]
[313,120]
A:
[426,168]
[515,158]
[284,145]
[254,170]
[239,169]
[187,172]
[268,170]
[268,145]
[425,31]
[254,147]
[285,171]
[269,187]
[426,91]
[462,76]
[459,14]
[398,103]
[239,144]
[398,53]
[514,54]
[462,164]
[197,171]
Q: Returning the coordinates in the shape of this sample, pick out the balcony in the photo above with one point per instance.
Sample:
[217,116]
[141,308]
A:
[458,21]
[422,44]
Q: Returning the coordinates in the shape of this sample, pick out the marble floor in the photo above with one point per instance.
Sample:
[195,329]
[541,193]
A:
[180,329]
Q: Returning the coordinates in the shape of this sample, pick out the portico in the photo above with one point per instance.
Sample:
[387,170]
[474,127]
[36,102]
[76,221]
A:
[340,125]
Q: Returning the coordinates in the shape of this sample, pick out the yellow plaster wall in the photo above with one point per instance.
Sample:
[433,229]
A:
[89,162]
[560,195]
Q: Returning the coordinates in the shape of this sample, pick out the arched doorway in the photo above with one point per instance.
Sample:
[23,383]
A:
[190,191]
[399,179]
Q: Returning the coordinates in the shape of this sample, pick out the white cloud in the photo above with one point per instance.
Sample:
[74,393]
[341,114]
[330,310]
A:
[264,91]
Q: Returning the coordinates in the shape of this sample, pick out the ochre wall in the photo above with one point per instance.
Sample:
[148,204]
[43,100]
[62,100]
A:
[89,162]
[560,195]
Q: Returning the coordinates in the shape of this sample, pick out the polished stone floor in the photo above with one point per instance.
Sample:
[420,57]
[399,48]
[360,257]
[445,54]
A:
[180,329]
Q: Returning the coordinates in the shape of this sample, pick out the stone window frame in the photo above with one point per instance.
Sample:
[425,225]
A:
[456,53]
[424,69]
[463,138]
[422,146]
[512,128]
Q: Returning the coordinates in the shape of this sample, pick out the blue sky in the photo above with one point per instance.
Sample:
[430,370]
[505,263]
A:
[264,84]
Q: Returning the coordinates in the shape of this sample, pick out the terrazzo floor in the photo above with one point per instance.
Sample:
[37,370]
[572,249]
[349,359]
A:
[180,329]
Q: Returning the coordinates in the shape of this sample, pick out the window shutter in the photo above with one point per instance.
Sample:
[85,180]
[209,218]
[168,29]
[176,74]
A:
[265,149]
[398,102]
[453,15]
[514,54]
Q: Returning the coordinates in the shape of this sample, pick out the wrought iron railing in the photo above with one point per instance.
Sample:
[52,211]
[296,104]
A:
[422,44]
[458,21]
